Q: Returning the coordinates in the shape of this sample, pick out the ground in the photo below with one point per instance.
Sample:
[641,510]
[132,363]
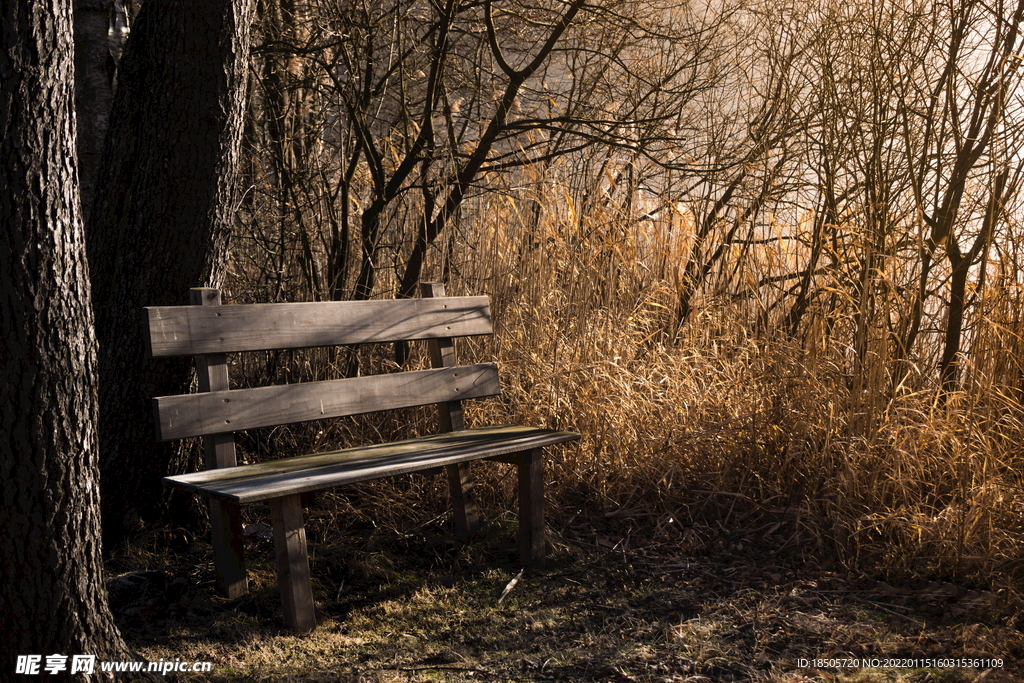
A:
[616,602]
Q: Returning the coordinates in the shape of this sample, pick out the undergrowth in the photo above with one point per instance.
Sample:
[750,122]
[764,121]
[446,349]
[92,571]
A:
[725,414]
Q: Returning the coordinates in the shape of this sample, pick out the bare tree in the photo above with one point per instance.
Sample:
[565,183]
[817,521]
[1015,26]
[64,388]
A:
[968,134]
[423,104]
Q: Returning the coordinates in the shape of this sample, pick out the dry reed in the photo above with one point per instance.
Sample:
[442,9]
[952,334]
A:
[727,417]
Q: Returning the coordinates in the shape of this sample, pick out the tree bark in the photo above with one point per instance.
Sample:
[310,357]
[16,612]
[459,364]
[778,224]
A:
[52,596]
[100,27]
[163,213]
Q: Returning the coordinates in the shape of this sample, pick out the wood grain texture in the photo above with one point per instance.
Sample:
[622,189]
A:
[217,412]
[193,330]
[292,563]
[289,476]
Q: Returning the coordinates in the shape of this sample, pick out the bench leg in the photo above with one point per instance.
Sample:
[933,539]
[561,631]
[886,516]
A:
[292,563]
[460,489]
[228,556]
[531,507]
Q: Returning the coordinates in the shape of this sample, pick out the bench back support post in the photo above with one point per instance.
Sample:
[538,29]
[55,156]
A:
[450,418]
[212,375]
[442,355]
[219,451]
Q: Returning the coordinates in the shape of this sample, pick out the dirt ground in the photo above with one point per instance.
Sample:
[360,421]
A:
[614,603]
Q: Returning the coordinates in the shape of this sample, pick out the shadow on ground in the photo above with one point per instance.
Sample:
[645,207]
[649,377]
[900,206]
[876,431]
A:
[611,605]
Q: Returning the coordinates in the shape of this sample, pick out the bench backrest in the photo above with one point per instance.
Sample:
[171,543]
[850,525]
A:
[195,330]
[209,331]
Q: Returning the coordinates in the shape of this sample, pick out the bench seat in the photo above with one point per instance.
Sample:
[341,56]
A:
[315,472]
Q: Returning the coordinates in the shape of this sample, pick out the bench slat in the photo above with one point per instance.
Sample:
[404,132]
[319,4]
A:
[195,330]
[288,476]
[216,412]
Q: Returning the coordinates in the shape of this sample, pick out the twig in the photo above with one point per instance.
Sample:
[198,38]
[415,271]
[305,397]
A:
[511,584]
[432,668]
[893,612]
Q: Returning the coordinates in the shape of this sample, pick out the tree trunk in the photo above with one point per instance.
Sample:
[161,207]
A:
[954,327]
[160,224]
[52,597]
[100,26]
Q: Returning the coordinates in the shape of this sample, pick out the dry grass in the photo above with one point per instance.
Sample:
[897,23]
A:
[617,603]
[728,417]
[742,496]
[731,419]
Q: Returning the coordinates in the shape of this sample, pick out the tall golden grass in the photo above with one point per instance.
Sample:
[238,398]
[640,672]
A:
[729,418]
[732,413]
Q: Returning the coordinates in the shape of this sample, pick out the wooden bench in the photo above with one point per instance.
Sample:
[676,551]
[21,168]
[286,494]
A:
[209,331]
